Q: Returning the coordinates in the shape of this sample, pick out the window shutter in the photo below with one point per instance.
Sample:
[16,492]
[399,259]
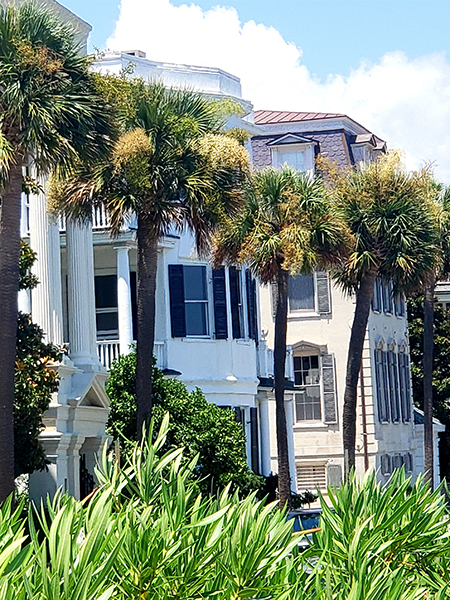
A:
[334,476]
[220,303]
[329,389]
[250,284]
[234,299]
[177,311]
[254,439]
[323,293]
[239,416]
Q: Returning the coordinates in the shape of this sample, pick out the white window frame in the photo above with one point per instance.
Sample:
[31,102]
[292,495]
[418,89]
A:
[305,312]
[209,296]
[306,148]
[297,389]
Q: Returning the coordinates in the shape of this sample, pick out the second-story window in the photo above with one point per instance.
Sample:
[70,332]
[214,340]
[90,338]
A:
[295,159]
[301,293]
[188,300]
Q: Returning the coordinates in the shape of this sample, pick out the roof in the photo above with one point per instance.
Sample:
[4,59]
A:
[263,117]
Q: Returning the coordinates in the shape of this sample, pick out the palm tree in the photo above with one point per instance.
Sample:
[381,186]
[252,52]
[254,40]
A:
[173,169]
[50,115]
[285,226]
[388,212]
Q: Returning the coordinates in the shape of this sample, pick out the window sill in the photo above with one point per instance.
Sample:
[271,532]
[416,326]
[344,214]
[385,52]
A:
[307,314]
[310,425]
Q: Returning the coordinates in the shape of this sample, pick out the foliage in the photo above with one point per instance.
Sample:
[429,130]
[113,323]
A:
[147,534]
[441,374]
[390,215]
[34,380]
[196,425]
[285,222]
[378,541]
[49,104]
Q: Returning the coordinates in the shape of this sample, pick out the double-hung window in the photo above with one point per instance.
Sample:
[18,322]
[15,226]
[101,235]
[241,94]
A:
[301,293]
[188,300]
[237,304]
[106,309]
[307,392]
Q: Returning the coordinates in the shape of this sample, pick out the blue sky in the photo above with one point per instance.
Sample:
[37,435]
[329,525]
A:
[383,62]
[335,35]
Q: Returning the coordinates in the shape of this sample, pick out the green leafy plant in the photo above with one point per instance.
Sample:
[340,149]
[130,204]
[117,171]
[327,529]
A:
[196,425]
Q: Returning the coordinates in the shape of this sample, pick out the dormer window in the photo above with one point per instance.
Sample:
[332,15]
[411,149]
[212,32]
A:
[295,151]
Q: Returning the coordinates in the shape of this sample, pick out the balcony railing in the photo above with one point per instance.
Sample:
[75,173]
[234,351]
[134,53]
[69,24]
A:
[264,359]
[109,350]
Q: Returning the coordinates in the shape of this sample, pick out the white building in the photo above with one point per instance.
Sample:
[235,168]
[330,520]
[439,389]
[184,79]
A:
[214,328]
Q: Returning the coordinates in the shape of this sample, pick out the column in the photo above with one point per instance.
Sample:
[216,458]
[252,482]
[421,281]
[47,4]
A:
[264,428]
[124,299]
[289,406]
[47,296]
[81,295]
[24,301]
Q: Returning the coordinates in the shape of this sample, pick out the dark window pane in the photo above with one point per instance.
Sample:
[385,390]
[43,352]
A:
[297,363]
[107,321]
[298,375]
[195,283]
[196,318]
[301,292]
[306,363]
[106,291]
[314,362]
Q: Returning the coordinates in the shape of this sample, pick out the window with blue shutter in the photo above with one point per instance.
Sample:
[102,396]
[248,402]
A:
[220,304]
[177,308]
[399,303]
[381,380]
[388,299]
[377,299]
[405,394]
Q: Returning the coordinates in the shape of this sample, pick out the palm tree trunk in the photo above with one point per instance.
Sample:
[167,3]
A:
[147,268]
[354,362]
[9,288]
[428,333]
[284,476]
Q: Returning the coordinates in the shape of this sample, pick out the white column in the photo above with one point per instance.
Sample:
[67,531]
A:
[81,295]
[289,406]
[24,301]
[264,428]
[47,295]
[124,299]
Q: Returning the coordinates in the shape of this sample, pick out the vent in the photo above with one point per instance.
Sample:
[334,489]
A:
[311,477]
[137,53]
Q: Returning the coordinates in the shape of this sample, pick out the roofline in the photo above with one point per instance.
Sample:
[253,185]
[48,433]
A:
[336,117]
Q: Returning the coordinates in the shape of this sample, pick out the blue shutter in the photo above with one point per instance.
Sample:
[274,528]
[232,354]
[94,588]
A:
[234,299]
[220,303]
[177,310]
[254,438]
[252,312]
[394,387]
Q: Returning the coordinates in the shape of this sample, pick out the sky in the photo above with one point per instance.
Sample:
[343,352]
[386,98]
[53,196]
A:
[385,63]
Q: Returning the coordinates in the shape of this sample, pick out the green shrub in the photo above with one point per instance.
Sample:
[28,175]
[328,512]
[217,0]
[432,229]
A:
[196,425]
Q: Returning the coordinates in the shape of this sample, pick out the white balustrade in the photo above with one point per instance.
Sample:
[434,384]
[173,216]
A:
[109,350]
[264,357]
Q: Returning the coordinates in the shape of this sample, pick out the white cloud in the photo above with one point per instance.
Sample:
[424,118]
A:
[405,101]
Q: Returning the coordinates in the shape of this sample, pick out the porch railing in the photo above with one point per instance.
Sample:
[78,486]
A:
[109,350]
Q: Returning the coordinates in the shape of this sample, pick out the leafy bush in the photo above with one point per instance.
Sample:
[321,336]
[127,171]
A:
[196,425]
[146,534]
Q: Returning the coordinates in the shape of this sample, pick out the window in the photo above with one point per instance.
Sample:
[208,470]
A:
[106,307]
[381,379]
[307,398]
[295,159]
[387,297]
[377,300]
[237,306]
[394,387]
[196,300]
[405,388]
[188,300]
[399,303]
[301,293]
